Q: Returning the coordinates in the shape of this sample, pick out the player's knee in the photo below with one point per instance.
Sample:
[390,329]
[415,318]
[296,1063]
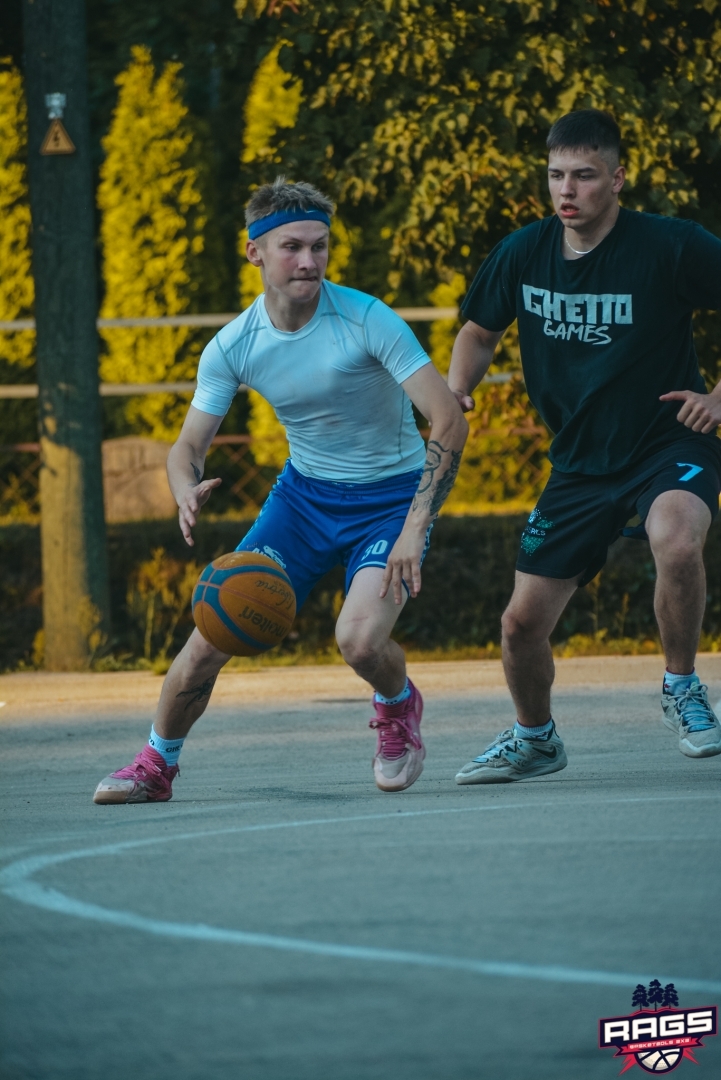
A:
[676,548]
[520,626]
[359,654]
[358,649]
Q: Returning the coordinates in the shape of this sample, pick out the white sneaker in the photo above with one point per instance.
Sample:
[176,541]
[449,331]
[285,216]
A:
[690,715]
[509,757]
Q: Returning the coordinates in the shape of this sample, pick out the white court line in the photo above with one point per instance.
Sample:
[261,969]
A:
[15,882]
[163,813]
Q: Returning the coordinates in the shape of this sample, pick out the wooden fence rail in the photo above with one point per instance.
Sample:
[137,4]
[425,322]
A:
[409,314]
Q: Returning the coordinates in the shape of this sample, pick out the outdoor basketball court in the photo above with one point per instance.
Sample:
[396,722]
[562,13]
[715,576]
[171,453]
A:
[281,919]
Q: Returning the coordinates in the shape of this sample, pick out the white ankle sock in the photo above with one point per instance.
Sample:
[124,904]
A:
[676,684]
[534,732]
[405,693]
[169,749]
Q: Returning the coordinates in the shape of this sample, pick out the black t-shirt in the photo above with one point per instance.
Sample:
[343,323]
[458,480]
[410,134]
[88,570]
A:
[602,337]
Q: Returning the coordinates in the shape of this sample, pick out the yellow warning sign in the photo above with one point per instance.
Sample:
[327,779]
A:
[57,140]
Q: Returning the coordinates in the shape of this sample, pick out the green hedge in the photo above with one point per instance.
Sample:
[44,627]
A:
[467,579]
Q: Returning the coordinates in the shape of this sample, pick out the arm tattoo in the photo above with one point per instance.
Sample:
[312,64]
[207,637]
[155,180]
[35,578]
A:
[198,695]
[196,473]
[432,462]
[433,490]
[446,482]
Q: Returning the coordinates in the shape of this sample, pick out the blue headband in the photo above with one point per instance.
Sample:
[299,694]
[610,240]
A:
[284,217]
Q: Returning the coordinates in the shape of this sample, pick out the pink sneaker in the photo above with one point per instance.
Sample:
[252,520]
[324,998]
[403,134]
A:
[148,779]
[398,760]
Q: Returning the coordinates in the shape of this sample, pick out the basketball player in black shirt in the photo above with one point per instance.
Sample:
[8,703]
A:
[604,298]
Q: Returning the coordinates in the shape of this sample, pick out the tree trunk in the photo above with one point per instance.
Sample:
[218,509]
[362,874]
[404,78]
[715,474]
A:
[74,559]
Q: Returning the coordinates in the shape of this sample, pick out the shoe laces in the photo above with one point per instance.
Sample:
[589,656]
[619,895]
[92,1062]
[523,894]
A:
[694,707]
[507,739]
[145,768]
[394,734]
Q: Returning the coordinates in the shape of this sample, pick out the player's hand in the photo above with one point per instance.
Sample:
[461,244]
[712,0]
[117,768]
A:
[190,503]
[465,401]
[404,564]
[700,412]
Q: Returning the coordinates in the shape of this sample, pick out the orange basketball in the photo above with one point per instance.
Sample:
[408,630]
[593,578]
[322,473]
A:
[244,603]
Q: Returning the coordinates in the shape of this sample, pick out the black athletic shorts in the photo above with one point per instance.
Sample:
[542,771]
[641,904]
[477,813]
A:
[578,516]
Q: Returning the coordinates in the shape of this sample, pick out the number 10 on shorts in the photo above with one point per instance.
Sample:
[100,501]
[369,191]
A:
[379,548]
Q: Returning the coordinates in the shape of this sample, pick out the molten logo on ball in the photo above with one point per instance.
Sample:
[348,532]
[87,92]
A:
[244,603]
[657,1040]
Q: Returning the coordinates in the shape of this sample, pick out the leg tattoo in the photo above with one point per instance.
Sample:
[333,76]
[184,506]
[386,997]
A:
[199,694]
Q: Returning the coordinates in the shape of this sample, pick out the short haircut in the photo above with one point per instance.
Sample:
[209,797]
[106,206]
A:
[281,195]
[586,129]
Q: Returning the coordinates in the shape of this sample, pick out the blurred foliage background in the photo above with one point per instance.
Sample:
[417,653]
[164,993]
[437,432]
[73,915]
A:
[467,580]
[425,122]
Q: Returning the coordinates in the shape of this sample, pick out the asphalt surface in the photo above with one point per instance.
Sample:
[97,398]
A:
[281,919]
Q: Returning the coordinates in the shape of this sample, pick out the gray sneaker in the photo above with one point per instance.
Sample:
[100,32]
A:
[510,757]
[691,716]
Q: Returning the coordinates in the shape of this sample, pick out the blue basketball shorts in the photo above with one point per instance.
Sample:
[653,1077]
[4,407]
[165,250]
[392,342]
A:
[309,526]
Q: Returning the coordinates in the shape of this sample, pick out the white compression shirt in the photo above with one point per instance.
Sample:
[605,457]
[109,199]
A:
[334,384]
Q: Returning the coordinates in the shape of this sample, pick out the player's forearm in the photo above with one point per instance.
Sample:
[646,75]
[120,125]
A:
[472,356]
[186,464]
[443,458]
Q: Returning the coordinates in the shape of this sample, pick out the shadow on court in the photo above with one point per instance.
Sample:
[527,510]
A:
[281,919]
